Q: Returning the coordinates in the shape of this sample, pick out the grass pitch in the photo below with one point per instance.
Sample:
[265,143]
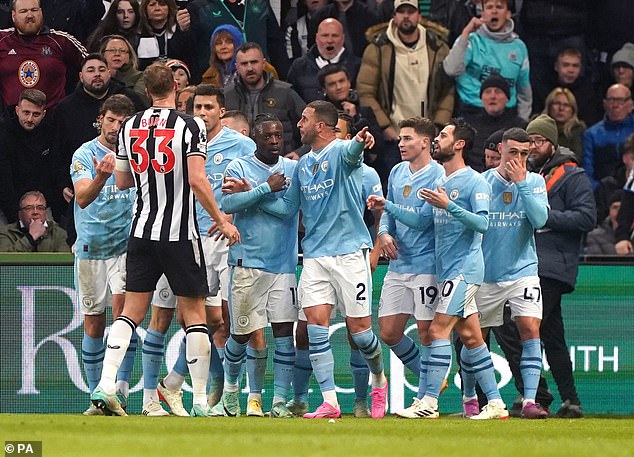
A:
[76,435]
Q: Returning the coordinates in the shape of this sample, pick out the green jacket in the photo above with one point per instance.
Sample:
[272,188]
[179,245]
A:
[13,239]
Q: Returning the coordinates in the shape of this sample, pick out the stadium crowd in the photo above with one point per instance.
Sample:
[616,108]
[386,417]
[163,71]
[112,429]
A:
[538,90]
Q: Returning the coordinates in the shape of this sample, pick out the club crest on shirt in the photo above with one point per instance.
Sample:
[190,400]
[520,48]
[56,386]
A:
[407,190]
[78,167]
[324,165]
[454,194]
[46,51]
[419,194]
[218,158]
[507,197]
[28,73]
[270,102]
[315,168]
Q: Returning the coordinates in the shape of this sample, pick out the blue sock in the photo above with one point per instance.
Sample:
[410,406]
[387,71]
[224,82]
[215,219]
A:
[256,367]
[180,366]
[92,352]
[370,347]
[437,366]
[153,349]
[424,367]
[235,353]
[407,351]
[283,362]
[467,374]
[216,370]
[531,366]
[302,372]
[125,369]
[360,374]
[321,357]
[478,360]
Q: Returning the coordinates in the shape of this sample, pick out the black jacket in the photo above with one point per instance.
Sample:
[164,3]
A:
[75,119]
[303,73]
[572,214]
[25,164]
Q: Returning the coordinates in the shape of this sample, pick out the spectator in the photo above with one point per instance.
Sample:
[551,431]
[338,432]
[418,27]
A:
[337,89]
[25,138]
[489,45]
[76,17]
[122,63]
[181,72]
[254,18]
[122,19]
[494,115]
[297,31]
[355,17]
[399,70]
[625,219]
[602,142]
[492,155]
[601,240]
[610,184]
[77,114]
[33,232]
[183,98]
[569,74]
[623,65]
[34,57]
[572,214]
[561,105]
[328,49]
[255,91]
[164,32]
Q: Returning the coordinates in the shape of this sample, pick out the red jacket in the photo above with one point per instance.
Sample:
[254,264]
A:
[37,62]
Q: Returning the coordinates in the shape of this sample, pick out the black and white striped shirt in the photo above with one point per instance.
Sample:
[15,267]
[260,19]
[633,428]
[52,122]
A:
[154,145]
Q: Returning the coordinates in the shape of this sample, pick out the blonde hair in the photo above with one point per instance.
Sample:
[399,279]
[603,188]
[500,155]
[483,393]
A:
[574,119]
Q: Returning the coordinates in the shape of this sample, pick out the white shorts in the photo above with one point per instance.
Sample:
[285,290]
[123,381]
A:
[524,296]
[258,298]
[457,298]
[97,281]
[215,254]
[413,294]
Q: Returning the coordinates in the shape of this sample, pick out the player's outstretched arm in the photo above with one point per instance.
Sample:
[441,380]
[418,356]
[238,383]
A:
[202,190]
[87,190]
[354,152]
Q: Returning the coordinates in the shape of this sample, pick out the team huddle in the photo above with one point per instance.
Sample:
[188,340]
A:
[147,186]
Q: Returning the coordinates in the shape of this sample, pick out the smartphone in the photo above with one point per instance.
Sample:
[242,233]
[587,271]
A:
[182,4]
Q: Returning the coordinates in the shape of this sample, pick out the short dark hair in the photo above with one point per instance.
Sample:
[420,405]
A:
[570,52]
[93,56]
[262,119]
[118,104]
[421,125]
[463,131]
[13,2]
[236,114]
[328,70]
[325,112]
[250,45]
[209,90]
[158,79]
[516,134]
[35,96]
[343,116]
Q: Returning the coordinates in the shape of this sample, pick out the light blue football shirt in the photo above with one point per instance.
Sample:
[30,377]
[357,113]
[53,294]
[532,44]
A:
[103,227]
[267,242]
[221,150]
[416,253]
[516,211]
[328,190]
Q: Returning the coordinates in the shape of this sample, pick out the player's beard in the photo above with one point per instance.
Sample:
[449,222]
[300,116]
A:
[441,156]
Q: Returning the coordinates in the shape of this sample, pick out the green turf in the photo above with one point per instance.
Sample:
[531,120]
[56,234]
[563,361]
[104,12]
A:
[74,435]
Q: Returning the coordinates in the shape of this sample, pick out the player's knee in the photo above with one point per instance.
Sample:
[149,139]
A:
[390,337]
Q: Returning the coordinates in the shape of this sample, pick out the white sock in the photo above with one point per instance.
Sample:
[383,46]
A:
[330,396]
[123,387]
[230,387]
[256,395]
[431,401]
[150,395]
[116,347]
[379,380]
[173,381]
[528,400]
[198,351]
